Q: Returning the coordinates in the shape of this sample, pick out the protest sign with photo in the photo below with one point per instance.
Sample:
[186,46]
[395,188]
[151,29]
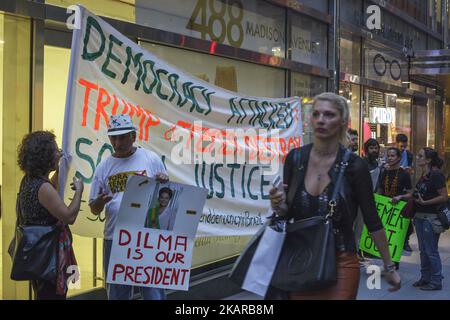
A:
[149,250]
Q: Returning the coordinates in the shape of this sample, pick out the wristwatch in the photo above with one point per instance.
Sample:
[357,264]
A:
[389,268]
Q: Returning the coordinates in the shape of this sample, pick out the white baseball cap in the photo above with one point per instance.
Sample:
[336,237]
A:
[120,124]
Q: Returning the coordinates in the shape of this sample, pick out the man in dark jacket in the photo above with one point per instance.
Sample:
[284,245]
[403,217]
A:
[407,157]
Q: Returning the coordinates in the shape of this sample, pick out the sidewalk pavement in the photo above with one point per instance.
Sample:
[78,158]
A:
[409,272]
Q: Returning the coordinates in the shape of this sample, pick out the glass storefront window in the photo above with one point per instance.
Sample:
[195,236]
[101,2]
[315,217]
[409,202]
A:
[251,24]
[384,65]
[414,8]
[433,44]
[56,72]
[417,87]
[444,139]
[1,153]
[352,93]
[351,12]
[307,87]
[402,106]
[350,55]
[321,5]
[117,9]
[243,77]
[309,41]
[431,131]
[385,116]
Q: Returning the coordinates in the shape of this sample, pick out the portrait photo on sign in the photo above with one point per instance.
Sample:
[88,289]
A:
[163,207]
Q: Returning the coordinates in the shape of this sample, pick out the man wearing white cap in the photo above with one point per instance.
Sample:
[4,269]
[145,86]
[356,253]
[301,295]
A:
[109,184]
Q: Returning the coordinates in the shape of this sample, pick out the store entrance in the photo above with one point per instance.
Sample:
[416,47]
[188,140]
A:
[385,116]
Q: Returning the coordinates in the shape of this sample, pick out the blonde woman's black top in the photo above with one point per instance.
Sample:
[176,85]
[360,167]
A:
[356,192]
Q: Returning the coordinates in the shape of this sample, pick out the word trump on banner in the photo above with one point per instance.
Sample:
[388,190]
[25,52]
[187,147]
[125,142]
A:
[394,223]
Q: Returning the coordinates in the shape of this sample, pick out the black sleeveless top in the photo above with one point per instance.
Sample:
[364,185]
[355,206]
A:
[357,192]
[311,205]
[30,211]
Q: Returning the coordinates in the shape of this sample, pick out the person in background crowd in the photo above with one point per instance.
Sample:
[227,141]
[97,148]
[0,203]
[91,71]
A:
[395,182]
[353,139]
[371,155]
[431,195]
[330,117]
[108,187]
[407,157]
[406,163]
[40,204]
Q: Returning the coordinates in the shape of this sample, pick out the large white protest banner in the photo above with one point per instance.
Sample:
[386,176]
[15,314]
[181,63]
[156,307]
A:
[147,249]
[184,119]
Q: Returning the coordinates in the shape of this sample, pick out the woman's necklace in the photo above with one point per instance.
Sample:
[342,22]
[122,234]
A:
[324,153]
[390,188]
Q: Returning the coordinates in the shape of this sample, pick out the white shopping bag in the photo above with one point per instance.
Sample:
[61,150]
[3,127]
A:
[264,261]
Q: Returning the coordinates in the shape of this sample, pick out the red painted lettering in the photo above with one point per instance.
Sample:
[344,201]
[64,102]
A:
[152,121]
[166,277]
[138,255]
[181,241]
[179,258]
[138,274]
[147,243]
[149,277]
[116,104]
[129,274]
[89,86]
[122,234]
[165,240]
[118,268]
[161,256]
[157,275]
[184,271]
[101,104]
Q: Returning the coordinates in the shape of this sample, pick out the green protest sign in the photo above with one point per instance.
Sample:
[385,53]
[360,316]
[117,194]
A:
[395,225]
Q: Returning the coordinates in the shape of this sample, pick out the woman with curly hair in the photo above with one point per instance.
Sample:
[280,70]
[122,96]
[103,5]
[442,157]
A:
[40,204]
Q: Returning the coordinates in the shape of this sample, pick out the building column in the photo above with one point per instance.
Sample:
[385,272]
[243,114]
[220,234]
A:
[15,124]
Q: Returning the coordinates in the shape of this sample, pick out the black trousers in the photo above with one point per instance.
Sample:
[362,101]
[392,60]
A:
[46,290]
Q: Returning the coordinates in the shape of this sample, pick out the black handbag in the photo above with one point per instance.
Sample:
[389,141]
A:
[444,216]
[34,255]
[308,258]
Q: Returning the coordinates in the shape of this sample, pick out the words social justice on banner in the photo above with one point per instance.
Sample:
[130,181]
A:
[153,247]
[206,136]
[394,223]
